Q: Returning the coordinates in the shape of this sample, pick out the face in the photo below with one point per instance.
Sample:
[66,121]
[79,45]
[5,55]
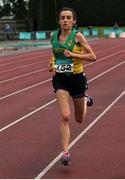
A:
[66,20]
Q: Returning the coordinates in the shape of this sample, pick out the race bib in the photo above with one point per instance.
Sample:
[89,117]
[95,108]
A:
[61,68]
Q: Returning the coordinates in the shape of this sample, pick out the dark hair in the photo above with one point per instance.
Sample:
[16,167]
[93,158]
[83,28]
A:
[68,9]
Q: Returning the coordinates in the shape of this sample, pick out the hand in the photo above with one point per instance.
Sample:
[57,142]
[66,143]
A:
[68,53]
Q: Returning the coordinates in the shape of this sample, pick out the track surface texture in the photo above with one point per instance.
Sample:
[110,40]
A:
[30,141]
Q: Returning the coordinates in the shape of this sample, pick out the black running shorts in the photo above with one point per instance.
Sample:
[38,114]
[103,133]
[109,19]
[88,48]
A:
[75,84]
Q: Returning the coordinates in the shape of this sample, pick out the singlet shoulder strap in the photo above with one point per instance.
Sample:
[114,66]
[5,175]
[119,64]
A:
[71,39]
[54,35]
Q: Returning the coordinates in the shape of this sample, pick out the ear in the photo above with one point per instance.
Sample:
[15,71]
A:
[74,22]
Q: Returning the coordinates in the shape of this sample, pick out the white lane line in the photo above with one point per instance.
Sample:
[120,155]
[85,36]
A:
[54,161]
[89,64]
[26,56]
[27,115]
[112,68]
[22,90]
[26,74]
[24,61]
[23,66]
[106,57]
[43,55]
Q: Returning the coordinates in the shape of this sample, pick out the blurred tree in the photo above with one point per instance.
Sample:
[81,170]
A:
[43,14]
[14,7]
[5,10]
[48,14]
[96,12]
[19,9]
[34,13]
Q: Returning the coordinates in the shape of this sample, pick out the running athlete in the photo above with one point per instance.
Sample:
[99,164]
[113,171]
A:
[70,50]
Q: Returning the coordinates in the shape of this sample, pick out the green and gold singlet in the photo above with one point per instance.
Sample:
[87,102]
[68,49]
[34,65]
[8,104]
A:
[61,63]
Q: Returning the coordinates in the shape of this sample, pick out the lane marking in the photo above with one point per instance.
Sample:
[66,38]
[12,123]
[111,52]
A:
[106,57]
[26,74]
[21,55]
[23,66]
[27,115]
[19,60]
[58,157]
[89,64]
[54,161]
[32,112]
[12,69]
[105,72]
[22,90]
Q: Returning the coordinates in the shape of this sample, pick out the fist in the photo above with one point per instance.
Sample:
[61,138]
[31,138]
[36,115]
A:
[68,53]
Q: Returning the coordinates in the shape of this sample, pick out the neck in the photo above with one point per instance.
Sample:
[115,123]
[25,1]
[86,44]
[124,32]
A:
[64,35]
[65,32]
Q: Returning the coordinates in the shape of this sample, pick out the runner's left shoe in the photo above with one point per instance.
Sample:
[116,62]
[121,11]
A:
[66,158]
[89,100]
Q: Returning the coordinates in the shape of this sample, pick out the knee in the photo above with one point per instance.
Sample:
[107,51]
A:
[66,116]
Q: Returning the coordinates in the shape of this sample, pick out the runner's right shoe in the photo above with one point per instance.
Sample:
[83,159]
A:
[66,158]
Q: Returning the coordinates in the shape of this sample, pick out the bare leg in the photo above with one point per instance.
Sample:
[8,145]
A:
[80,106]
[63,103]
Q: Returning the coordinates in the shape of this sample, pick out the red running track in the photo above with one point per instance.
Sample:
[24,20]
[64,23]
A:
[30,144]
